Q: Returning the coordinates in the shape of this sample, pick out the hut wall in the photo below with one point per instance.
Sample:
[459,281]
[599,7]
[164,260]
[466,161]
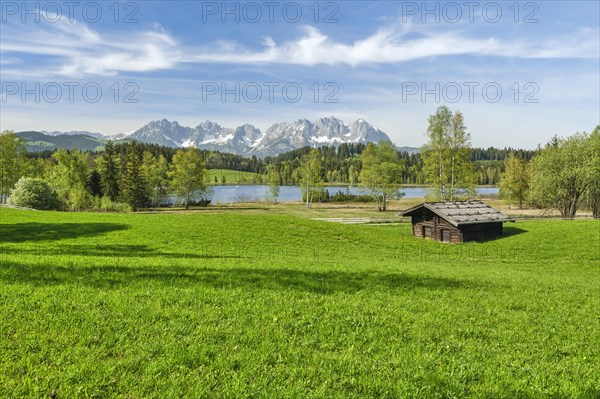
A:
[481,231]
[428,225]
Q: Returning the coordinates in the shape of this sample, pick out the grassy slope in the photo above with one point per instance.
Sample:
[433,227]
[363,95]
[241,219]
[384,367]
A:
[264,304]
[231,176]
[38,141]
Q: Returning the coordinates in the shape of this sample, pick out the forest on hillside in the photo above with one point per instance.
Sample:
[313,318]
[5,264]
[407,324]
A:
[342,164]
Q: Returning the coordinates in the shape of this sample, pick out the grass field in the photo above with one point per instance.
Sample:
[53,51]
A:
[231,176]
[269,303]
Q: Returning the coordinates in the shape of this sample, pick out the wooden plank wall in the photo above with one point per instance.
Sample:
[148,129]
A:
[470,232]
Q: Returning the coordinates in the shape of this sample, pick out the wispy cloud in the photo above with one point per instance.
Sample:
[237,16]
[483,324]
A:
[76,50]
[390,45]
[9,61]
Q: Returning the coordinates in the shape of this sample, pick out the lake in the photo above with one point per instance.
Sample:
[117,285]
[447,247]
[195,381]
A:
[247,193]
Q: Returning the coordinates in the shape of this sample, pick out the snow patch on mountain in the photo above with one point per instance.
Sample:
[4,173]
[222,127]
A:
[248,140]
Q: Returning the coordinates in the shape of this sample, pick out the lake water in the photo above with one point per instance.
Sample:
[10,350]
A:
[229,194]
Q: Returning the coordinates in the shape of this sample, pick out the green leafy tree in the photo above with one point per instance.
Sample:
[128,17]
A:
[155,171]
[12,161]
[593,194]
[68,176]
[562,173]
[447,165]
[108,165]
[35,167]
[381,172]
[33,193]
[352,175]
[310,170]
[188,174]
[273,177]
[514,185]
[134,187]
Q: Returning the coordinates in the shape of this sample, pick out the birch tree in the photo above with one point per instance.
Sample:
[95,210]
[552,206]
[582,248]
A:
[188,174]
[514,185]
[446,160]
[273,176]
[155,171]
[311,168]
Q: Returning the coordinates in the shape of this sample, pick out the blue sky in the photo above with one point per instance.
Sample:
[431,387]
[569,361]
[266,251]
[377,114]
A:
[520,72]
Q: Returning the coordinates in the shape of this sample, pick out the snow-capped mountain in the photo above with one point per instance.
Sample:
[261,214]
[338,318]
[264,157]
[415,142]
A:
[248,140]
[287,136]
[163,132]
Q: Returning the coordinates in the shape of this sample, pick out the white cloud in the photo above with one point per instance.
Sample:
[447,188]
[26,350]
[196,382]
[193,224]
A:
[389,45]
[77,50]
[9,61]
[80,51]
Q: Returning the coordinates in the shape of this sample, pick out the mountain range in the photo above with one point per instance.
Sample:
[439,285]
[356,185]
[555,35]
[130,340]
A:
[249,140]
[245,140]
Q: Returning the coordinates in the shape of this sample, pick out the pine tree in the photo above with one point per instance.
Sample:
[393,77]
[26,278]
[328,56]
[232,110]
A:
[109,171]
[94,184]
[134,188]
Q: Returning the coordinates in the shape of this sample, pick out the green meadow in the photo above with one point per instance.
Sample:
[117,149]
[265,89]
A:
[269,303]
[231,176]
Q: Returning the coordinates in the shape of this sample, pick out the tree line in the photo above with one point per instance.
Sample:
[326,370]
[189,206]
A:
[564,174]
[126,176]
[342,164]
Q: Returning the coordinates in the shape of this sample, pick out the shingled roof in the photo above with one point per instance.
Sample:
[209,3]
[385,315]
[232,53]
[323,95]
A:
[461,213]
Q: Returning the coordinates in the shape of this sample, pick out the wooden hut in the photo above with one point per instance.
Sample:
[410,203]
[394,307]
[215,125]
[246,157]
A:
[456,222]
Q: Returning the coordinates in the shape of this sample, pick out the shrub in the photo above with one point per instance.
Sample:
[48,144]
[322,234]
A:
[347,196]
[33,193]
[106,205]
[319,194]
[203,202]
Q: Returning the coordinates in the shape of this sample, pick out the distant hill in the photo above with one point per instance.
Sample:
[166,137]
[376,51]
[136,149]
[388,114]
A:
[410,150]
[37,141]
[77,133]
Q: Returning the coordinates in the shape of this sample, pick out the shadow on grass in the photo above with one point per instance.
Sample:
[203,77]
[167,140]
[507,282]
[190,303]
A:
[508,231]
[325,282]
[116,251]
[22,232]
